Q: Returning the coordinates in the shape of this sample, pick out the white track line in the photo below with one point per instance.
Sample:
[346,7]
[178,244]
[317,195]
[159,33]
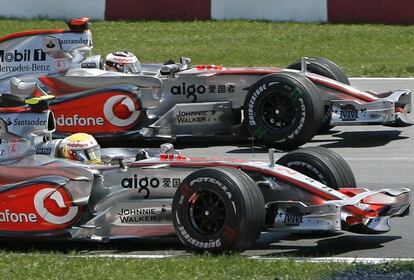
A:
[126,256]
[301,259]
[341,260]
[382,159]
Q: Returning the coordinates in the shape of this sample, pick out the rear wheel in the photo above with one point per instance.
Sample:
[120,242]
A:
[283,110]
[322,165]
[218,210]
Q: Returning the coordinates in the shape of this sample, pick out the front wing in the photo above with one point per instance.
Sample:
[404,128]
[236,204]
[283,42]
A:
[375,208]
[395,107]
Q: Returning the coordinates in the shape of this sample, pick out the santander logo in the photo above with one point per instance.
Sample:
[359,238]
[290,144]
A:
[120,110]
[50,205]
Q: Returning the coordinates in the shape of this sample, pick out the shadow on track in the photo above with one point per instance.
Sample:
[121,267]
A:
[363,139]
[329,246]
[332,139]
[337,139]
[288,246]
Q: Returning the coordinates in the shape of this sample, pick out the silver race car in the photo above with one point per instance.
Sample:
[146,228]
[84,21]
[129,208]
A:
[211,204]
[281,108]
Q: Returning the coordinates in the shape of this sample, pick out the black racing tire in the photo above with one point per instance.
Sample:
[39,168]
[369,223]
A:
[326,68]
[283,110]
[343,167]
[326,123]
[218,210]
[323,67]
[322,165]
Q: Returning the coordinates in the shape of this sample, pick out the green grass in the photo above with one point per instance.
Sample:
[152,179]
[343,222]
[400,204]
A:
[362,50]
[57,266]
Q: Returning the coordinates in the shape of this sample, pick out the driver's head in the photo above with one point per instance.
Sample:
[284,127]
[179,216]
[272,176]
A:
[123,61]
[81,147]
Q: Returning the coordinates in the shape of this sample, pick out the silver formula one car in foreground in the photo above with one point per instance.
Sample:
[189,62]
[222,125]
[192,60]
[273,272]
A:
[281,108]
[211,204]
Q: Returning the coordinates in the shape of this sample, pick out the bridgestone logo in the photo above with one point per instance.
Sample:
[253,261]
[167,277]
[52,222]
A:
[252,101]
[196,243]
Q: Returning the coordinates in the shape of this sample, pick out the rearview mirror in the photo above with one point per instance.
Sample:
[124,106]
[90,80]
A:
[169,69]
[185,62]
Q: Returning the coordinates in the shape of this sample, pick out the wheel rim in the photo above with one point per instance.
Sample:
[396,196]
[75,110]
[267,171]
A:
[207,213]
[278,111]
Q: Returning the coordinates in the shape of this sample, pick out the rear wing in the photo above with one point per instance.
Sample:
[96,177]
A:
[24,54]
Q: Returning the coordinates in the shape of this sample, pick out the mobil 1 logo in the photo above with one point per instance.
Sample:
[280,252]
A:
[26,60]
[22,55]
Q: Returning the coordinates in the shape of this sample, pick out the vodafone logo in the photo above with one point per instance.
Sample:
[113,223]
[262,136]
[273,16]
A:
[77,145]
[124,59]
[120,110]
[50,206]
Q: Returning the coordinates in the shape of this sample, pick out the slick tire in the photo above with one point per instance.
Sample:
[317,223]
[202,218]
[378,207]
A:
[323,67]
[218,210]
[322,165]
[283,110]
[326,68]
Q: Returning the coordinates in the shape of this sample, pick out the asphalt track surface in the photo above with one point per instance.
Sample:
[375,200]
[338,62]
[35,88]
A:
[381,157]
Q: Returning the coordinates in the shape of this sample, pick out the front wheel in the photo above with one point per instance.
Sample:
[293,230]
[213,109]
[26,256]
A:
[283,110]
[326,68]
[322,165]
[218,210]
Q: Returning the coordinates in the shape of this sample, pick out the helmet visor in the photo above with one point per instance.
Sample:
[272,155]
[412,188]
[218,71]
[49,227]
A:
[133,68]
[89,155]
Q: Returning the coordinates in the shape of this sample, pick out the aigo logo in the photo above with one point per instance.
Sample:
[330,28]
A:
[120,110]
[50,205]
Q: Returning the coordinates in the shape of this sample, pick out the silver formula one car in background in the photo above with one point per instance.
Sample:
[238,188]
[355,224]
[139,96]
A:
[211,204]
[278,107]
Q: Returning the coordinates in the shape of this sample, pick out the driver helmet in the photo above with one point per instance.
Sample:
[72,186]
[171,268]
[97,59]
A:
[123,61]
[81,147]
